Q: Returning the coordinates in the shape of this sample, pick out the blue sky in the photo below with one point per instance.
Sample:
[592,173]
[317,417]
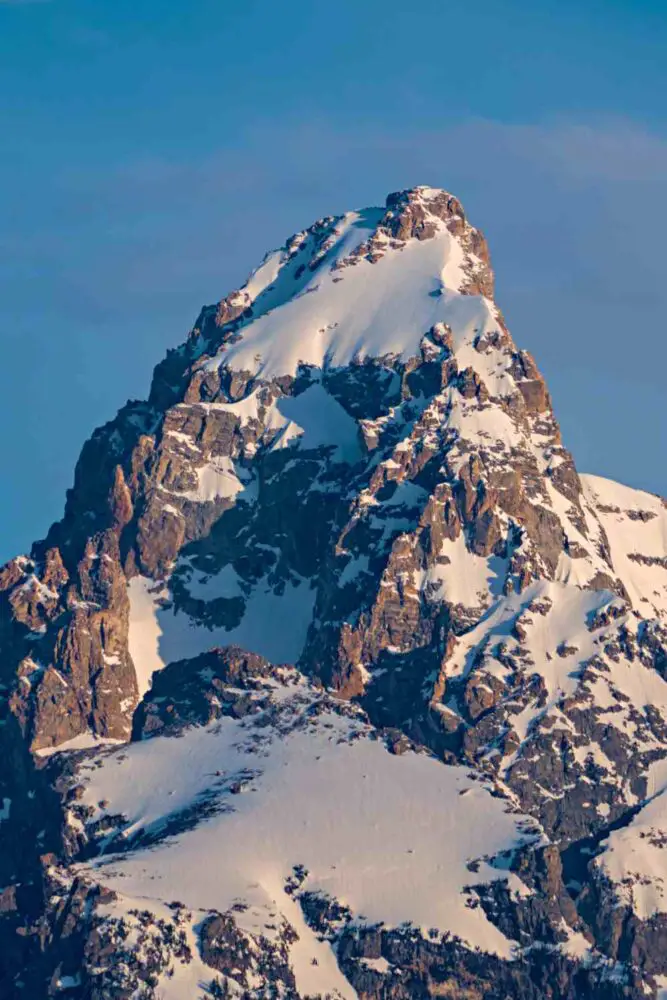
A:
[152,152]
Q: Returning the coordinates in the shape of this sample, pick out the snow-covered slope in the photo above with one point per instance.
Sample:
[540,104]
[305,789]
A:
[311,791]
[336,678]
[350,308]
[636,526]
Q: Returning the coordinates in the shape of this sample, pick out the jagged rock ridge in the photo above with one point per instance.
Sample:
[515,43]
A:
[343,554]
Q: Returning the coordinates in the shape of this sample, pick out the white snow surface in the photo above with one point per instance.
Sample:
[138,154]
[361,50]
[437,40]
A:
[274,623]
[144,631]
[217,480]
[564,622]
[84,741]
[635,859]
[465,579]
[389,836]
[344,314]
[559,641]
[314,419]
[631,535]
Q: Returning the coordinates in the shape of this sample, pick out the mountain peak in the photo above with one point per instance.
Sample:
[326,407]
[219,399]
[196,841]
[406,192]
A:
[343,553]
[436,202]
[365,284]
[439,200]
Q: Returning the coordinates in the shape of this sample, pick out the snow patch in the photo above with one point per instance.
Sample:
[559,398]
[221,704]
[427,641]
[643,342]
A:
[366,310]
[274,624]
[318,797]
[84,741]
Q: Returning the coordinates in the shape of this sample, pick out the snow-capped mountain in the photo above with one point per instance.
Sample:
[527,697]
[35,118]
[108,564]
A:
[336,678]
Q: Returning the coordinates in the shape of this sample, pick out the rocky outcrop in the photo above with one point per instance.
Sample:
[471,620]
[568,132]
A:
[221,682]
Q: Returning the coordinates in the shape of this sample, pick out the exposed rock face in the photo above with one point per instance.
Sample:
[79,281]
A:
[345,513]
[221,682]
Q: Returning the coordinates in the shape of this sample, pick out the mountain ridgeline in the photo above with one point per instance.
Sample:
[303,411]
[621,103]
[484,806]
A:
[336,678]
